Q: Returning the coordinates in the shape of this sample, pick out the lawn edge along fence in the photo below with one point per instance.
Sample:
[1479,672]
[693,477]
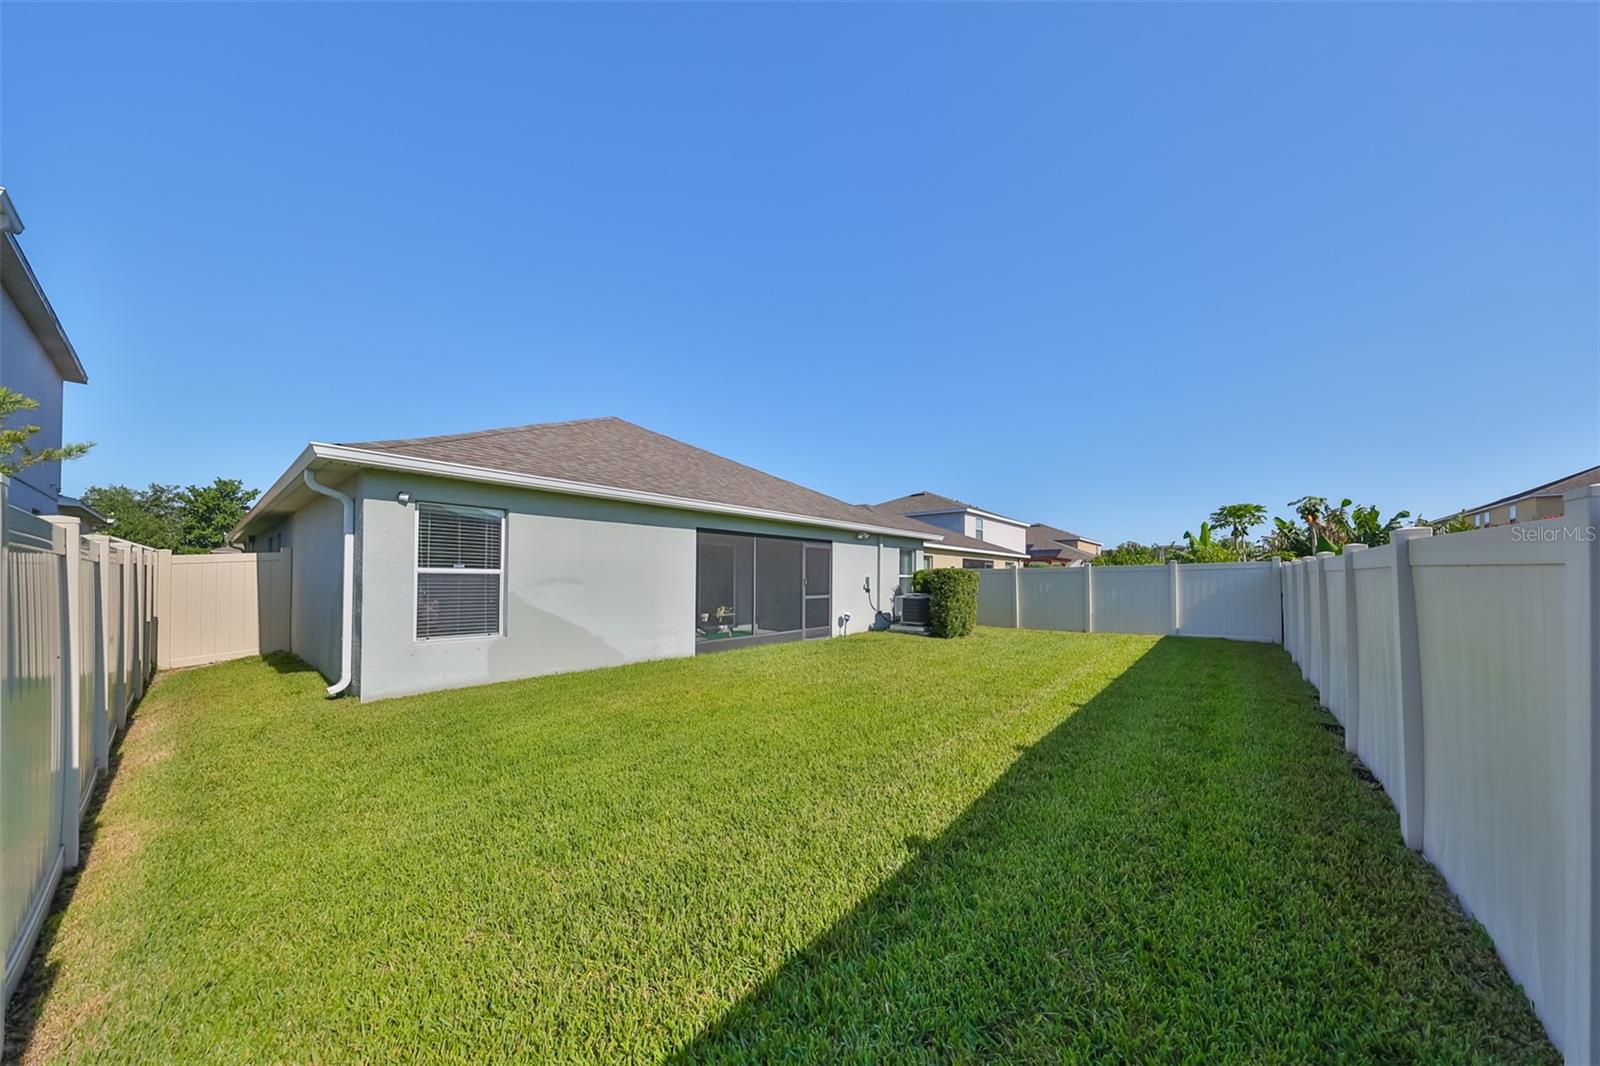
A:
[87,619]
[1465,670]
[78,646]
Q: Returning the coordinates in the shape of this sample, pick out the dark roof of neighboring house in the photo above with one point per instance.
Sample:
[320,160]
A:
[1059,551]
[932,502]
[617,454]
[1046,538]
[924,503]
[1591,476]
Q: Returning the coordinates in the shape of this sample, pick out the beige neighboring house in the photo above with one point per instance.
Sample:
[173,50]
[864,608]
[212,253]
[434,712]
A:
[968,536]
[1060,547]
[1531,505]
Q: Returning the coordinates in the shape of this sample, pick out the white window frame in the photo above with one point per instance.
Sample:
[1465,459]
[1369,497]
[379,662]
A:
[977,526]
[904,579]
[417,570]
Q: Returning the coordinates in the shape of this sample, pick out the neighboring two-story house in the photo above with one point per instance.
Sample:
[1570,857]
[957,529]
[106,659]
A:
[1060,547]
[970,536]
[1529,505]
[36,359]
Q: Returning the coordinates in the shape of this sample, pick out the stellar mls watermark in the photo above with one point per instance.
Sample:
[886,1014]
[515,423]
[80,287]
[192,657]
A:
[1548,533]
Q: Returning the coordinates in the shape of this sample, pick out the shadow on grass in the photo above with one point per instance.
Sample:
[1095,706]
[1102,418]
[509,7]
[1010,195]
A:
[1150,881]
[23,1013]
[287,663]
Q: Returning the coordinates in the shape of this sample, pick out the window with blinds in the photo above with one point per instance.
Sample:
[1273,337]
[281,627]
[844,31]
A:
[460,553]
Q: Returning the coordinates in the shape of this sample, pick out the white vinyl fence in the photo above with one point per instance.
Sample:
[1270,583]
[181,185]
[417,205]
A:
[81,640]
[217,607]
[76,651]
[1242,601]
[1466,672]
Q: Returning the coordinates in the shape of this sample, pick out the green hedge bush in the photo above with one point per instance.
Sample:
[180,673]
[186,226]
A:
[952,599]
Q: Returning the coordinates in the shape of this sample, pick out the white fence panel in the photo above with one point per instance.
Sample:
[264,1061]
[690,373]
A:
[1473,696]
[1242,601]
[1053,598]
[87,661]
[1337,701]
[1378,722]
[997,598]
[1496,821]
[1132,599]
[120,687]
[32,731]
[1291,629]
[216,607]
[77,617]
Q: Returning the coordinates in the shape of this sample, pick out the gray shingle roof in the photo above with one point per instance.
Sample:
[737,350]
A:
[618,454]
[929,502]
[1043,538]
[924,503]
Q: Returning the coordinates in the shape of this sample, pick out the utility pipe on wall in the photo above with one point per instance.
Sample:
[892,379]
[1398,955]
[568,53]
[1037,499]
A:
[348,606]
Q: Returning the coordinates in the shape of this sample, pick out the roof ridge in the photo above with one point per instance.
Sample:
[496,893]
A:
[471,434]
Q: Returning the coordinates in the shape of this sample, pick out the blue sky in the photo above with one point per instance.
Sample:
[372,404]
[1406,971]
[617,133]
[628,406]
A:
[1105,267]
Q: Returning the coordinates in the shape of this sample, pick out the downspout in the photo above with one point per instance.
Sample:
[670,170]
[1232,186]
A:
[348,607]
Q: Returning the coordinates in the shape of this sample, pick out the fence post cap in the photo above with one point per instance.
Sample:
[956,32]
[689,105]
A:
[1355,547]
[1326,555]
[1411,533]
[1582,492]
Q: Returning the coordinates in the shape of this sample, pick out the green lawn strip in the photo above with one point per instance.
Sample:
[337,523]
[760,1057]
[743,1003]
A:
[1024,844]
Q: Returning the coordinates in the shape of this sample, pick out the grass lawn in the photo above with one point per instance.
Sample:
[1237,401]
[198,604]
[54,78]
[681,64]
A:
[1021,845]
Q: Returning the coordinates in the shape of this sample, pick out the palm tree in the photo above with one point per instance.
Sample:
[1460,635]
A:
[1239,518]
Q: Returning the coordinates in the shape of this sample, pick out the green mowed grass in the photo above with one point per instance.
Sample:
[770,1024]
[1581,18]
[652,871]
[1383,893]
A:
[1029,846]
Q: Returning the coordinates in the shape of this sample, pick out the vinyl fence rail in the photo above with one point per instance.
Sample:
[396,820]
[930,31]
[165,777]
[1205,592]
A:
[1466,672]
[77,645]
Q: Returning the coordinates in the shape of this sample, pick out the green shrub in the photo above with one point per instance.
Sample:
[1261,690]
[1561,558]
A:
[953,600]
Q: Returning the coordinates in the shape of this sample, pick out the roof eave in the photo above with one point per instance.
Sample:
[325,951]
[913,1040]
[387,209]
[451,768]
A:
[26,292]
[317,452]
[999,553]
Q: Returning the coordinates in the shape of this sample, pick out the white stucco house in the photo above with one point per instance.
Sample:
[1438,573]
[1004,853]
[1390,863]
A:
[37,360]
[439,562]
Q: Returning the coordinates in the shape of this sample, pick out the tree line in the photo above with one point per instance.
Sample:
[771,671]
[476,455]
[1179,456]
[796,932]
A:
[189,520]
[1317,525]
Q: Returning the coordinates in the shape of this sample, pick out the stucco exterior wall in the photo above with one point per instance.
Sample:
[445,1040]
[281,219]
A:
[315,536]
[587,583]
[26,367]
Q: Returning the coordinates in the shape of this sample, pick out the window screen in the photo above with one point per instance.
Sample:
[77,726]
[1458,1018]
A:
[459,554]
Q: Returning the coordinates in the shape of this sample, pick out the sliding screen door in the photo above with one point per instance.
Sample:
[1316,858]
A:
[819,590]
[778,580]
[760,590]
